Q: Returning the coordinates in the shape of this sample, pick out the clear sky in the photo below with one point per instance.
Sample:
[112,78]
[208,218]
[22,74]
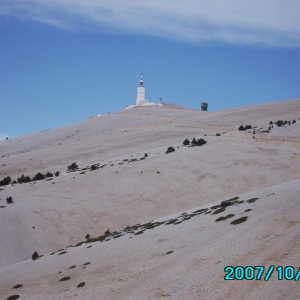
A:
[63,61]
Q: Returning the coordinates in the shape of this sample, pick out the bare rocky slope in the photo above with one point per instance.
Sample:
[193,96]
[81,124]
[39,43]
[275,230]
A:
[129,188]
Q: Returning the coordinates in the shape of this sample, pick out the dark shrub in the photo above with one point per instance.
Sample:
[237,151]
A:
[194,141]
[35,256]
[38,176]
[186,142]
[146,155]
[218,134]
[271,123]
[87,236]
[201,142]
[279,123]
[24,179]
[107,231]
[57,174]
[9,199]
[93,167]
[170,149]
[241,128]
[49,174]
[294,121]
[5,181]
[73,166]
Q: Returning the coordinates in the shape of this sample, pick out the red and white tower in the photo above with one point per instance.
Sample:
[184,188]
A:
[141,93]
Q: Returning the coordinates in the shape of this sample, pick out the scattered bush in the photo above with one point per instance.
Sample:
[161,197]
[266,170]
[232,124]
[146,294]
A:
[49,175]
[186,142]
[5,181]
[170,149]
[279,123]
[107,231]
[9,199]
[218,134]
[24,179]
[35,256]
[241,128]
[201,142]
[38,176]
[57,174]
[73,166]
[271,123]
[294,121]
[93,167]
[87,236]
[194,142]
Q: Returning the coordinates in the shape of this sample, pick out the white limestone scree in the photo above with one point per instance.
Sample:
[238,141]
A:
[141,97]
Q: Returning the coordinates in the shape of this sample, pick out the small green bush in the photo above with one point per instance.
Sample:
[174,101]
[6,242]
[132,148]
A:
[186,142]
[5,181]
[73,166]
[201,142]
[218,134]
[57,174]
[24,179]
[194,142]
[38,176]
[48,175]
[9,199]
[35,256]
[93,167]
[170,149]
[241,128]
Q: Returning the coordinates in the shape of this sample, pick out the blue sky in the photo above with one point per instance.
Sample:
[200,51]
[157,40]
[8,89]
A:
[64,61]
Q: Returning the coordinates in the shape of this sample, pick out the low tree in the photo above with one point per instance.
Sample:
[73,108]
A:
[73,166]
[201,142]
[194,141]
[38,176]
[57,174]
[24,179]
[9,199]
[170,149]
[186,142]
[35,256]
[49,175]
[5,181]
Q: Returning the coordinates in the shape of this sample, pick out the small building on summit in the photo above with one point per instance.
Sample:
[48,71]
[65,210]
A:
[141,97]
[204,106]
